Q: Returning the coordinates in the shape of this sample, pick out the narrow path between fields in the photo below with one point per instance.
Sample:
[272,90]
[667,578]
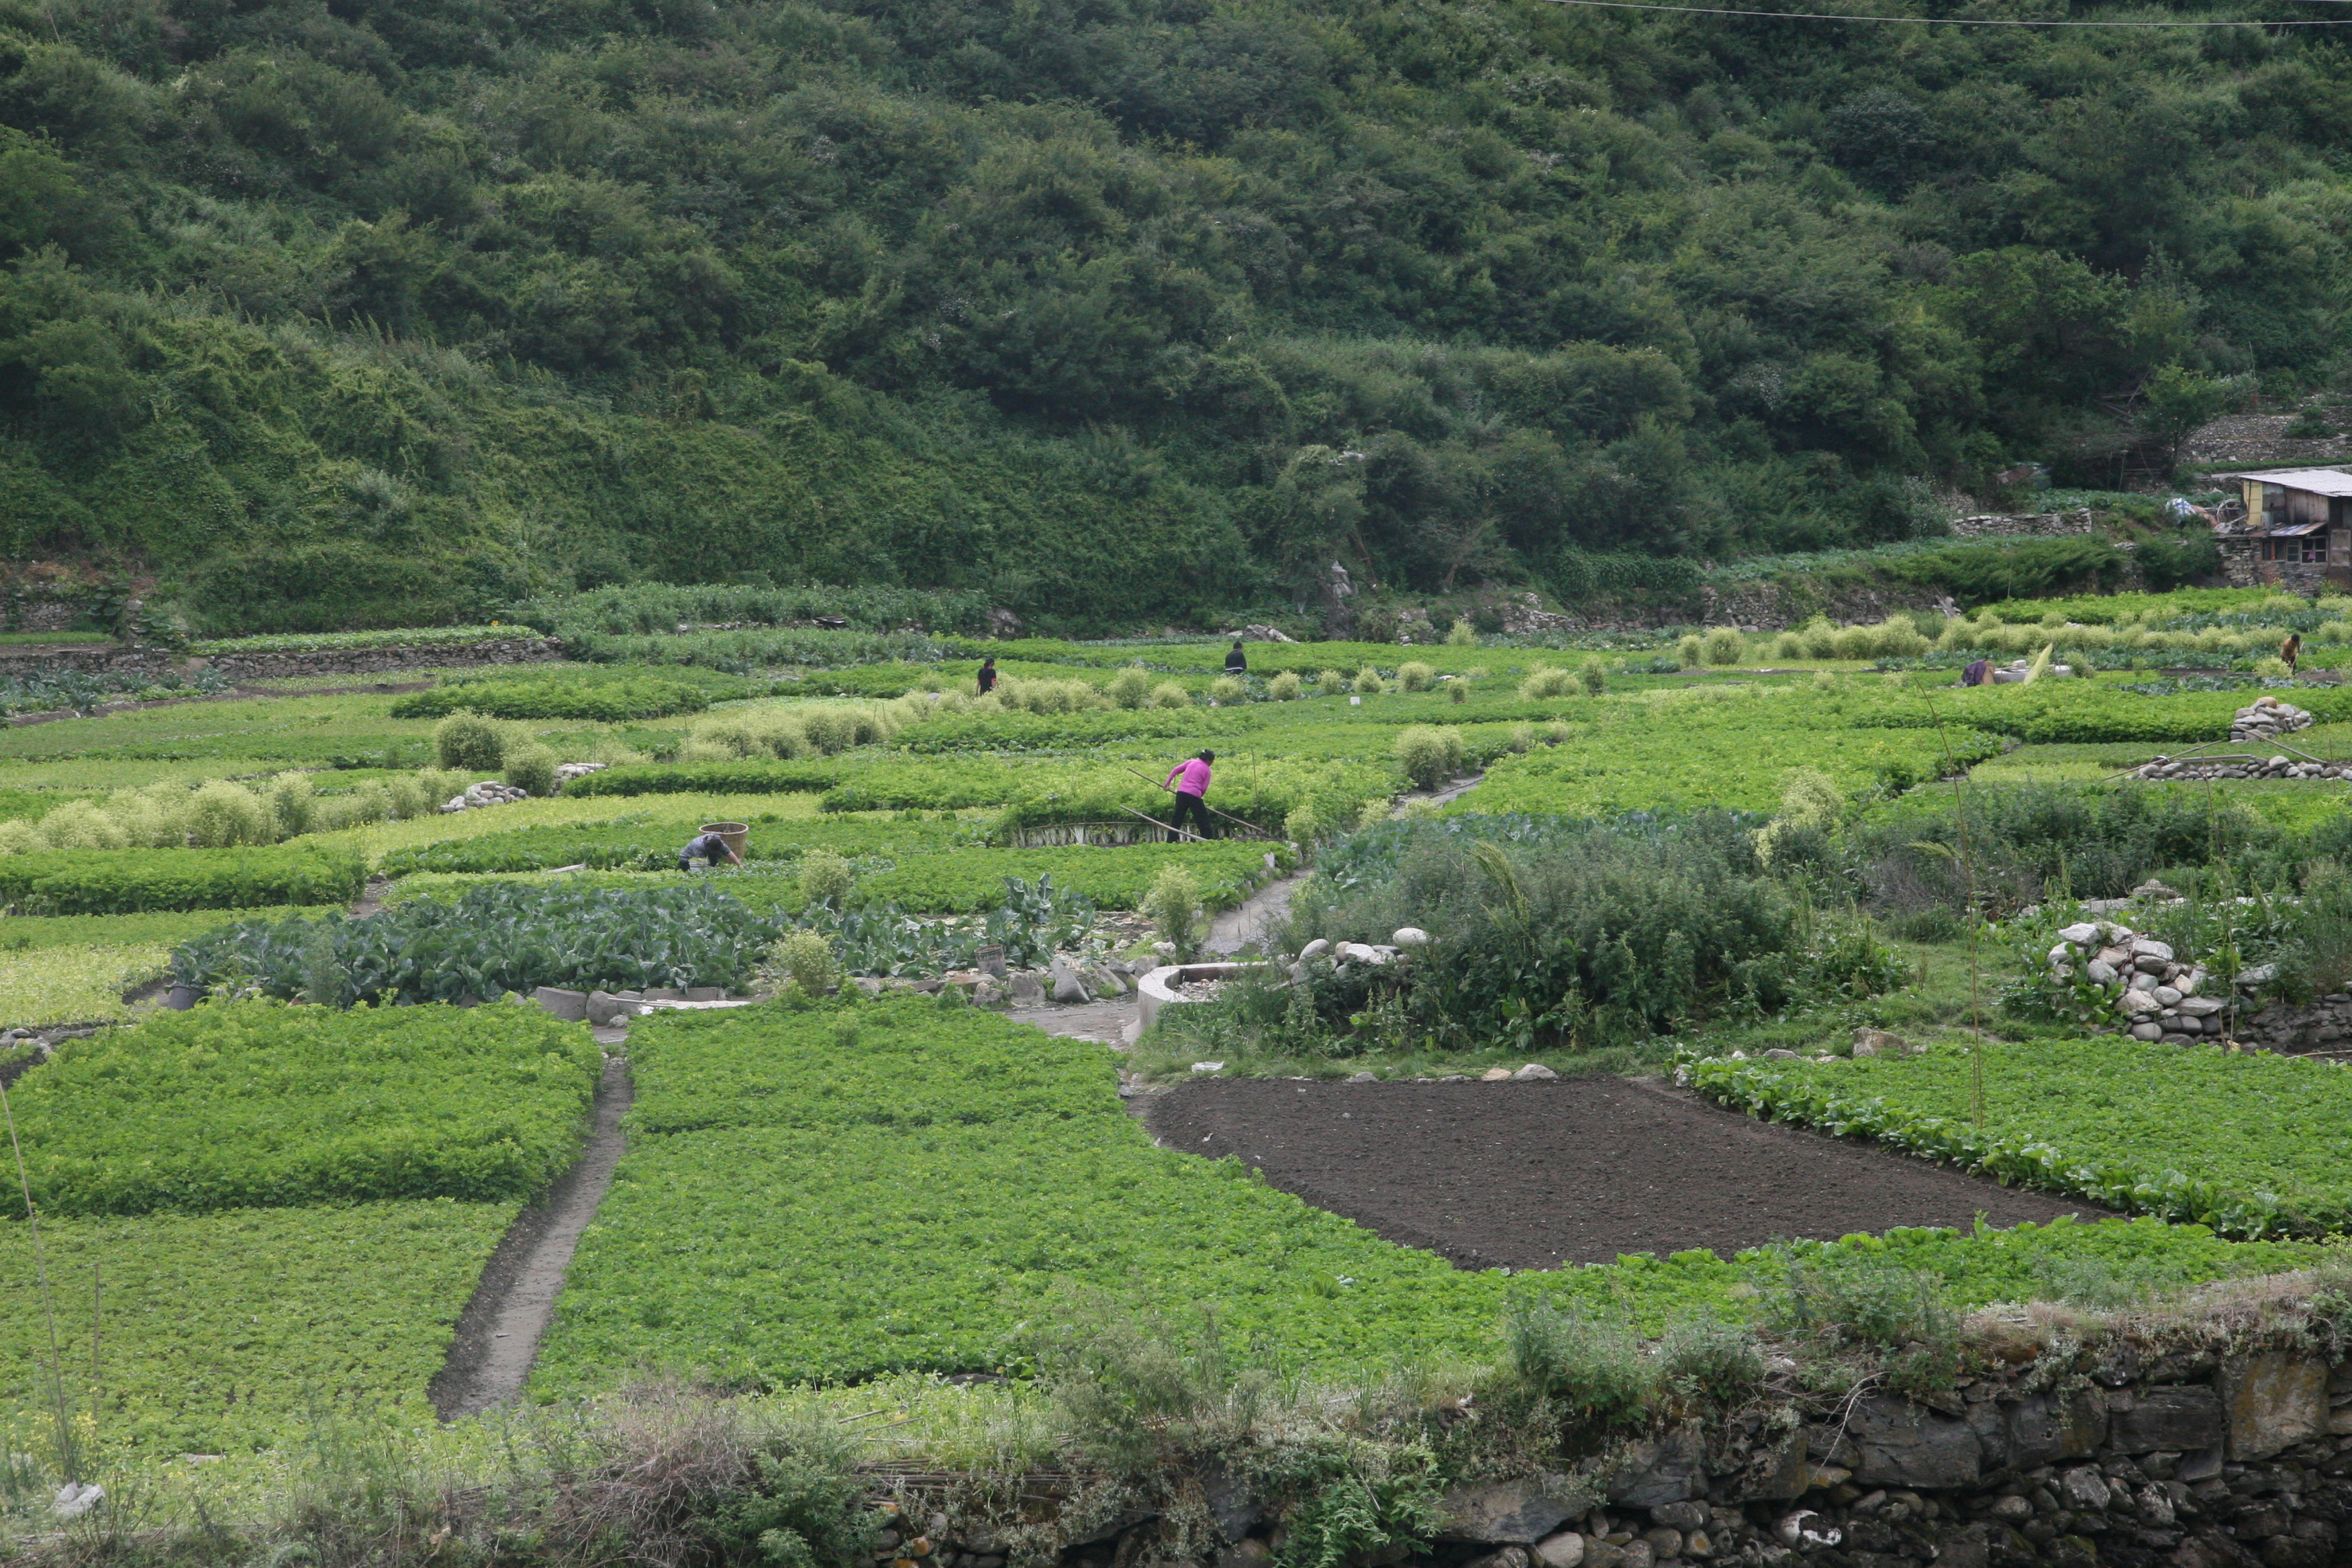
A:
[498,1334]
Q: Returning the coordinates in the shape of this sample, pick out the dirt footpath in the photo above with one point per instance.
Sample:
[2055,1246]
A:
[1534,1175]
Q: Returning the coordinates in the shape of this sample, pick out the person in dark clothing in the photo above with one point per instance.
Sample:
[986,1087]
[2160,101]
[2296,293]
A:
[707,849]
[2291,650]
[1191,782]
[1976,673]
[1235,664]
[988,674]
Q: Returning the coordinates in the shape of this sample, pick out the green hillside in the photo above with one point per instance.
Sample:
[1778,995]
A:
[360,312]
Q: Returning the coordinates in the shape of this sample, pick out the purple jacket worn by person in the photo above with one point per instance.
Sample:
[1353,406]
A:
[1195,777]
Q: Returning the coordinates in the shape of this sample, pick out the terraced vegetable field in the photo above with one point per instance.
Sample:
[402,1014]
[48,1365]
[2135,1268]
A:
[292,1198]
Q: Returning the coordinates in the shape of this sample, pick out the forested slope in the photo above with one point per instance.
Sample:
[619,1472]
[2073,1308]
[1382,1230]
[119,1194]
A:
[384,310]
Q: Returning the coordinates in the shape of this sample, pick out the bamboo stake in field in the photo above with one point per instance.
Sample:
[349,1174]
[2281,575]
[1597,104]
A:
[1968,893]
[67,1458]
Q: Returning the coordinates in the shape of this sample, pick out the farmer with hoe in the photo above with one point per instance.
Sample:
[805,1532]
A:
[1190,780]
[707,849]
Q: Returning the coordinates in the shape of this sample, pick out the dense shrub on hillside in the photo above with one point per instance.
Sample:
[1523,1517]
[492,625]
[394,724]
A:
[255,1104]
[121,882]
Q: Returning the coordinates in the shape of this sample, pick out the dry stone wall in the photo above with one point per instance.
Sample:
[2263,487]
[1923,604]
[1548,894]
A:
[2228,1452]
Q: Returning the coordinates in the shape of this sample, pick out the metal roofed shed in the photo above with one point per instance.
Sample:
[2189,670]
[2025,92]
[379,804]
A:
[2298,530]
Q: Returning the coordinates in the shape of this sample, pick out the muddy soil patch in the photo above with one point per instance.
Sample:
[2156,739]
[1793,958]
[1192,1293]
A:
[1534,1175]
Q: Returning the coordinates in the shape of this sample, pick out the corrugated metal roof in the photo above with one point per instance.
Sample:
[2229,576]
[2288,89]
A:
[2316,481]
[2292,530]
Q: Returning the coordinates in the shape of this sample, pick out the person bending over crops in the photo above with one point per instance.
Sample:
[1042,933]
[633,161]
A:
[707,849]
[1190,781]
[2291,650]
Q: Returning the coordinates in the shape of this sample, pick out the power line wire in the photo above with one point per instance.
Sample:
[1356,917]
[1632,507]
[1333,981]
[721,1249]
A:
[1919,21]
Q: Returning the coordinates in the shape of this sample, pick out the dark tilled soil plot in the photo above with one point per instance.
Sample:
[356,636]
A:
[1533,1175]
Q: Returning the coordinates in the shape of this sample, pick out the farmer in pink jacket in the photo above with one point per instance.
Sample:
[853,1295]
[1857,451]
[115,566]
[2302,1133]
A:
[1190,781]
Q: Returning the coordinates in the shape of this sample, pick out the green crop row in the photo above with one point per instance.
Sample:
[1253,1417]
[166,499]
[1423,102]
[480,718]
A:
[710,778]
[833,1192]
[498,937]
[959,880]
[122,881]
[642,841]
[1735,756]
[227,1333]
[36,933]
[2050,712]
[610,703]
[258,1105]
[80,982]
[2250,1145]
[331,642]
[896,1064]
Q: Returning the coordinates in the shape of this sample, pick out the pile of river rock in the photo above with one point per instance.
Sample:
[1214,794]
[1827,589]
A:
[2266,718]
[2239,768]
[2153,993]
[489,792]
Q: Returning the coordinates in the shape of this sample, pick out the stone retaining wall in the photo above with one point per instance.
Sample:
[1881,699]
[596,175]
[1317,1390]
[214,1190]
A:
[375,660]
[2123,1454]
[2324,1026]
[95,659]
[2024,525]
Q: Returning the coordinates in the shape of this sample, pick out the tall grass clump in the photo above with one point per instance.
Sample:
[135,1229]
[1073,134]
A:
[1429,755]
[1414,675]
[1226,689]
[1284,686]
[1690,649]
[1173,904]
[1130,688]
[467,740]
[1724,644]
[1549,682]
[1368,682]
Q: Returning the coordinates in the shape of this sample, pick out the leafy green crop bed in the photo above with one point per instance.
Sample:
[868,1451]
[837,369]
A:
[1112,879]
[603,703]
[1735,753]
[255,1104]
[835,1193]
[898,1064]
[34,933]
[232,1331]
[644,840]
[2250,1145]
[74,982]
[2082,712]
[495,938]
[122,881]
[326,642]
